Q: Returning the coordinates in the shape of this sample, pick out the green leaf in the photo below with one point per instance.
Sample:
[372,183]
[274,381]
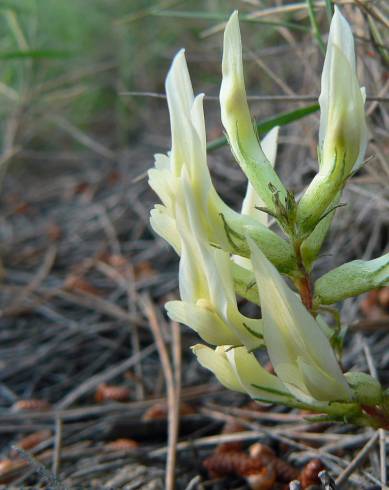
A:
[352,279]
[267,124]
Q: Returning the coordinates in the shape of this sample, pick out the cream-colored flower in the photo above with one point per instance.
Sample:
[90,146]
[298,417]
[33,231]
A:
[223,226]
[252,201]
[237,120]
[343,131]
[208,302]
[188,152]
[298,349]
[238,370]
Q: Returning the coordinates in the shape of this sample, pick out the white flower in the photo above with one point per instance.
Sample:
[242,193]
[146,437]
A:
[206,286]
[216,361]
[342,119]
[298,349]
[343,131]
[252,201]
[237,120]
[188,152]
[223,226]
[238,370]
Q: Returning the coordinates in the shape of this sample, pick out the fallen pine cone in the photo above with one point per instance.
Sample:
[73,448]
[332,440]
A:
[122,445]
[238,463]
[375,303]
[284,471]
[30,441]
[30,405]
[231,427]
[264,480]
[310,473]
[159,411]
[74,282]
[7,467]
[383,297]
[106,392]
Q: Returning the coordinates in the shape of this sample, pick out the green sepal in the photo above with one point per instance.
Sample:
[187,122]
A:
[244,283]
[311,246]
[366,389]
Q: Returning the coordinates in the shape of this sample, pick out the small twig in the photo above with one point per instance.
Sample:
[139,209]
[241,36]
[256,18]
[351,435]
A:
[381,432]
[326,480]
[150,313]
[193,483]
[357,460]
[82,138]
[91,383]
[41,469]
[177,361]
[295,485]
[57,446]
[383,474]
[36,281]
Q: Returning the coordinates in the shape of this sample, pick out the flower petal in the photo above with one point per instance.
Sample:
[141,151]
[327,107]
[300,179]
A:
[255,380]
[291,333]
[217,362]
[237,120]
[202,320]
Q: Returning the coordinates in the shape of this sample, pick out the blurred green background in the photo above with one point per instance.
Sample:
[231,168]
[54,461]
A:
[66,64]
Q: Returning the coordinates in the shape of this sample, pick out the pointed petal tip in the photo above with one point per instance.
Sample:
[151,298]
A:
[234,15]
[232,23]
[178,61]
[195,348]
[199,97]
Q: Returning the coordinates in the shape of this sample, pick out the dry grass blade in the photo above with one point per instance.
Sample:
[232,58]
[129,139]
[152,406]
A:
[113,371]
[57,446]
[172,395]
[357,460]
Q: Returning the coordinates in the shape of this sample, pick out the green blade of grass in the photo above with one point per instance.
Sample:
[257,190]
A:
[315,26]
[330,10]
[33,53]
[267,124]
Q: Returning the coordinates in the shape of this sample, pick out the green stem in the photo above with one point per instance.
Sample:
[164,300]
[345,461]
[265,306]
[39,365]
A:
[304,281]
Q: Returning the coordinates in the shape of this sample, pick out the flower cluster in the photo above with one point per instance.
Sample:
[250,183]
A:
[224,253]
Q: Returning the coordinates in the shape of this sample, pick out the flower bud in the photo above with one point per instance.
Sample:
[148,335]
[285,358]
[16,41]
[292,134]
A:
[252,201]
[237,120]
[343,132]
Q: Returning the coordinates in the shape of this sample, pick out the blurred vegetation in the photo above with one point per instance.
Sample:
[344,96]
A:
[66,64]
